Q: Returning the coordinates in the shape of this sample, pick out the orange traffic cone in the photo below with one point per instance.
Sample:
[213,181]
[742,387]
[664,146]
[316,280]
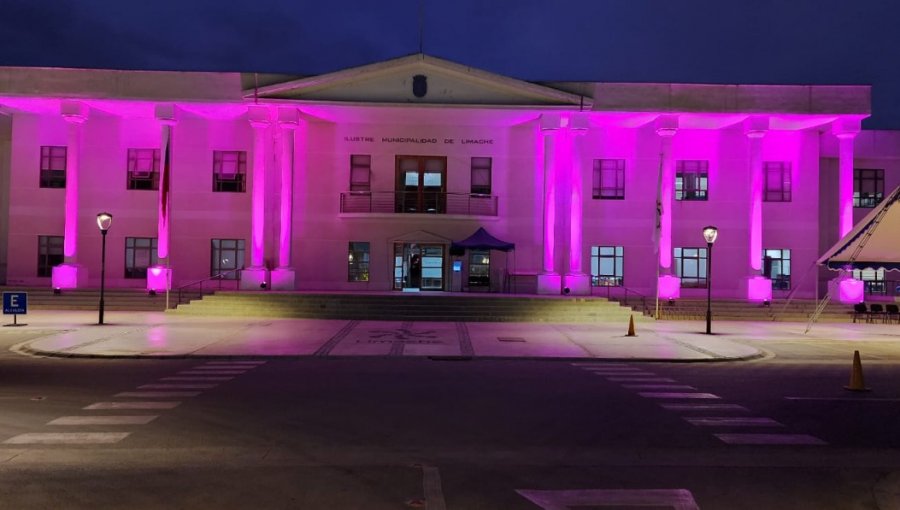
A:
[857,383]
[631,326]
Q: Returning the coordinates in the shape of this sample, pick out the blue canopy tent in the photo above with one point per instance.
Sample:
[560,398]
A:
[483,240]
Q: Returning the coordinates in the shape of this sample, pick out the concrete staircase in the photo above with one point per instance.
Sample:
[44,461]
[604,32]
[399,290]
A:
[799,310]
[42,298]
[419,307]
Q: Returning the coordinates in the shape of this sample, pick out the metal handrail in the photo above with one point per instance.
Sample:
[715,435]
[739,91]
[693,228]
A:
[427,202]
[220,277]
[624,299]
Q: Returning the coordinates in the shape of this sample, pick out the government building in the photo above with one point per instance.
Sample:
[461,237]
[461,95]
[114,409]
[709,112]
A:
[420,174]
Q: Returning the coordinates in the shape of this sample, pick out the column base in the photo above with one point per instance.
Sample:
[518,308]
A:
[159,278]
[577,284]
[849,291]
[669,287]
[758,289]
[549,283]
[254,278]
[283,278]
[69,276]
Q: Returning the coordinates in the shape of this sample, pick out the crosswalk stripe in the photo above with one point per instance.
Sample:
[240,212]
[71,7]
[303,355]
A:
[257,363]
[597,364]
[655,394]
[210,372]
[224,367]
[197,378]
[612,369]
[68,438]
[176,386]
[157,394]
[703,407]
[103,420]
[630,374]
[638,379]
[131,405]
[658,387]
[770,439]
[728,421]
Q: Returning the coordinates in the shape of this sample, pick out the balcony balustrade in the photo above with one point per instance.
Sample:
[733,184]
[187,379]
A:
[429,202]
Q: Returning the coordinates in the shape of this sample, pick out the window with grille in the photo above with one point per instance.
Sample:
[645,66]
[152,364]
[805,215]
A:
[360,173]
[606,266]
[481,176]
[778,181]
[609,179]
[53,167]
[777,267]
[227,256]
[691,180]
[143,169]
[140,254]
[358,262]
[868,187]
[690,266]
[50,253]
[229,171]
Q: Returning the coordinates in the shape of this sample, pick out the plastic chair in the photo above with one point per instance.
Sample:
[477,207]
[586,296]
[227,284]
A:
[892,311]
[876,310]
[860,310]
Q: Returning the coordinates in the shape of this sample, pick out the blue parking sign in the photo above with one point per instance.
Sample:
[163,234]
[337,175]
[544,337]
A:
[15,303]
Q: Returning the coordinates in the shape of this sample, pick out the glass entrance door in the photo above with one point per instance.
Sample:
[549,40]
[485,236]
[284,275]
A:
[421,184]
[418,266]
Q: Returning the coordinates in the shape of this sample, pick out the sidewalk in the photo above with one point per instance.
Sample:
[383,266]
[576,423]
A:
[160,335]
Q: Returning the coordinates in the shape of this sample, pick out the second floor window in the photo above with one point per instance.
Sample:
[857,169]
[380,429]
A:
[358,262]
[777,176]
[690,266]
[606,266]
[609,179]
[868,187]
[481,176]
[140,254]
[691,180]
[143,169]
[361,172]
[50,253]
[229,171]
[227,256]
[53,167]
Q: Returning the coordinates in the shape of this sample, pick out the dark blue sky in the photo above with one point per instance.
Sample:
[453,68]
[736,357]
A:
[699,41]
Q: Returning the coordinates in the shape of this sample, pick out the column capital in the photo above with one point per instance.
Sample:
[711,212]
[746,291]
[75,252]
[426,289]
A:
[756,126]
[846,127]
[74,112]
[666,125]
[259,116]
[288,118]
[550,122]
[580,123]
[165,114]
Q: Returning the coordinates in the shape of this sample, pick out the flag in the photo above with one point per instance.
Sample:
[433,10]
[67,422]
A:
[164,186]
[657,229]
[165,178]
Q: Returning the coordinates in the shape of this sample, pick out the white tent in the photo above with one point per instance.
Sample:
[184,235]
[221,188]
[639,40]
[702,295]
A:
[874,243]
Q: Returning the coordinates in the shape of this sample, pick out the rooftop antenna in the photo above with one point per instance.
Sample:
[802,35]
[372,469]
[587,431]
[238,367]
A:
[421,25]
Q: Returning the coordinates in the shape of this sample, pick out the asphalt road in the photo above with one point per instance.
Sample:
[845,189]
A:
[419,433]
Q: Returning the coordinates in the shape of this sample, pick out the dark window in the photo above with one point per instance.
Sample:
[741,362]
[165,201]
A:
[50,253]
[868,187]
[143,169]
[691,180]
[227,256]
[777,267]
[778,181]
[609,179]
[690,266]
[229,171]
[481,176]
[358,262]
[606,266]
[360,172]
[873,279]
[140,253]
[53,167]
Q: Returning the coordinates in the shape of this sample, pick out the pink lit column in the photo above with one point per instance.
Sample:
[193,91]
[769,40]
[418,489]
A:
[70,274]
[549,281]
[159,277]
[759,288]
[669,286]
[845,129]
[283,277]
[575,279]
[256,276]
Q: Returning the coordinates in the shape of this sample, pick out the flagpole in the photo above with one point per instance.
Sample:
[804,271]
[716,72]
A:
[658,226]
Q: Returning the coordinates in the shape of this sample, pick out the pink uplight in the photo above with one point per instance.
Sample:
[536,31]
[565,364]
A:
[759,289]
[158,278]
[669,287]
[851,291]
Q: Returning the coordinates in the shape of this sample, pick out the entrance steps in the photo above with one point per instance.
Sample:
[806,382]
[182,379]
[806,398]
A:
[418,307]
[138,300]
[799,310]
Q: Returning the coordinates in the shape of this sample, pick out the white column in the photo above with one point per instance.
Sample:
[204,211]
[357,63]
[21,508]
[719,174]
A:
[70,274]
[845,129]
[575,279]
[283,277]
[668,286]
[256,276]
[159,277]
[549,281]
[758,287]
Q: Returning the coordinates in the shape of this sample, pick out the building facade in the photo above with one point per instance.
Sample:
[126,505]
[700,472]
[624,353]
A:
[362,179]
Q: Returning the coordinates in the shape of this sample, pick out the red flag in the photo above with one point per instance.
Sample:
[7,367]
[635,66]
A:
[164,186]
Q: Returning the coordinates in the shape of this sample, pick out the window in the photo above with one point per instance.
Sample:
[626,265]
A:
[143,169]
[140,253]
[777,267]
[53,167]
[229,171]
[778,181]
[227,257]
[361,172]
[691,180]
[358,262]
[609,179]
[690,266]
[873,279]
[50,253]
[481,176]
[479,268]
[606,266]
[868,187]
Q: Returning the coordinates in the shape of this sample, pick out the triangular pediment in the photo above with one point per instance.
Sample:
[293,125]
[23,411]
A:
[418,79]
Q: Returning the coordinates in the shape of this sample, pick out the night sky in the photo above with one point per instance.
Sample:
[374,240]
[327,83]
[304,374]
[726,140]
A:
[702,41]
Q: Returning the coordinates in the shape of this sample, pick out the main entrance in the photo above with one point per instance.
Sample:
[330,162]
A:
[418,266]
[421,185]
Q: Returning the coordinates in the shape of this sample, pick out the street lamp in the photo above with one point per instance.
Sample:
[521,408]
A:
[104,220]
[709,233]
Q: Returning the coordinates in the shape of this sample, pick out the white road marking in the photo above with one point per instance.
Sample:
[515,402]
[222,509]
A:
[243,368]
[728,421]
[68,438]
[676,499]
[176,386]
[132,405]
[630,374]
[257,363]
[157,394]
[431,483]
[103,420]
[196,378]
[752,439]
[640,379]
[597,364]
[654,394]
[210,372]
[703,407]
[848,399]
[612,369]
[658,387]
